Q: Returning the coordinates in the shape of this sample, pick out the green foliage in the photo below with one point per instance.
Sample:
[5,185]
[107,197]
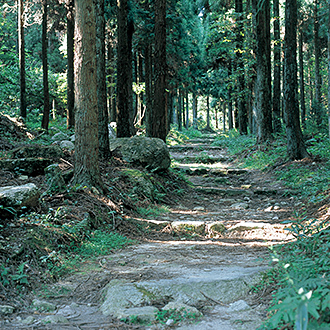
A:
[152,211]
[102,243]
[17,278]
[234,142]
[303,288]
[177,316]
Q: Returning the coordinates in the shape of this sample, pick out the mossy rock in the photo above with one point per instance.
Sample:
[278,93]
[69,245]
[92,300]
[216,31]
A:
[38,151]
[189,227]
[142,184]
[216,228]
[152,153]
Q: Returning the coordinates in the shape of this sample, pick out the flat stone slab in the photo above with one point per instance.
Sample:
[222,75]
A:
[236,316]
[199,158]
[223,191]
[197,227]
[208,273]
[181,148]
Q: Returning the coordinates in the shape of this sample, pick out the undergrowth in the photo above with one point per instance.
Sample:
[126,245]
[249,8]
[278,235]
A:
[301,286]
[300,279]
[309,178]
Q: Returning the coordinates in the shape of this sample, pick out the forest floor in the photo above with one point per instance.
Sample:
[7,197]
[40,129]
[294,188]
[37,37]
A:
[209,250]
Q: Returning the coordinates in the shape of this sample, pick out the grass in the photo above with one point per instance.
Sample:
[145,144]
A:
[151,211]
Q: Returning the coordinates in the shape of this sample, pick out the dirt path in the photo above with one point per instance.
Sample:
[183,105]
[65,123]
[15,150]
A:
[223,225]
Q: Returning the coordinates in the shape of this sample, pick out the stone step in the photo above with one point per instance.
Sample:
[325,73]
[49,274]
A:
[211,171]
[182,148]
[203,159]
[208,274]
[208,140]
[223,191]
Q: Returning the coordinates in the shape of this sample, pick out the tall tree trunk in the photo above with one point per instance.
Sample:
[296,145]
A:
[317,50]
[230,101]
[224,116]
[301,80]
[194,110]
[86,170]
[130,32]
[140,79]
[45,117]
[261,11]
[149,88]
[311,94]
[159,120]
[187,109]
[295,144]
[277,68]
[179,110]
[242,109]
[103,119]
[216,116]
[329,67]
[123,72]
[111,79]
[183,94]
[21,50]
[70,62]
[208,113]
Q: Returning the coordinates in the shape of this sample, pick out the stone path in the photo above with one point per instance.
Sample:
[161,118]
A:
[237,212]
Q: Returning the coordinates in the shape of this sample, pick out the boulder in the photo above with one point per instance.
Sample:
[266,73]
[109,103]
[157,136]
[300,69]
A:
[182,308]
[140,181]
[38,151]
[27,166]
[121,295]
[144,314]
[43,306]
[151,153]
[60,137]
[189,227]
[68,145]
[15,197]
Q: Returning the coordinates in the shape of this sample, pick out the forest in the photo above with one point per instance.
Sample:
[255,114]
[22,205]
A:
[150,121]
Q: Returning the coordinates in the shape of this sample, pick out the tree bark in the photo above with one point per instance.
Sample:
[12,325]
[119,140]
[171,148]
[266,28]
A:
[242,109]
[187,109]
[86,170]
[301,80]
[295,145]
[277,69]
[329,67]
[130,32]
[208,112]
[45,117]
[230,102]
[159,120]
[103,119]
[261,11]
[149,87]
[216,116]
[111,80]
[179,109]
[21,50]
[123,72]
[194,110]
[70,62]
[318,100]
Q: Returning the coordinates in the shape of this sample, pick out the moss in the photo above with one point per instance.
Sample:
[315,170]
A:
[142,184]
